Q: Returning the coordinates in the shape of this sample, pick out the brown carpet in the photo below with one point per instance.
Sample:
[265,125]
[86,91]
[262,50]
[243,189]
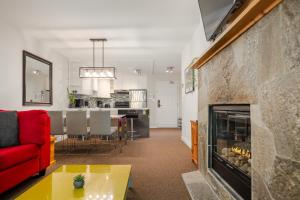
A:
[157,164]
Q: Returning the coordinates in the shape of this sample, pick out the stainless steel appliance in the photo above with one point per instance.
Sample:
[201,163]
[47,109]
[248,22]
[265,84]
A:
[79,103]
[99,104]
[121,98]
[122,104]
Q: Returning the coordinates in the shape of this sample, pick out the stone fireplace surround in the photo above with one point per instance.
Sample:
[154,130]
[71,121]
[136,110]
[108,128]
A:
[261,68]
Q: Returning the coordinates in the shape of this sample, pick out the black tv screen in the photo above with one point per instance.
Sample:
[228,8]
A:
[214,13]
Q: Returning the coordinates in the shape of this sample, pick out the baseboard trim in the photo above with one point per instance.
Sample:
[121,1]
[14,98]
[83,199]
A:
[185,142]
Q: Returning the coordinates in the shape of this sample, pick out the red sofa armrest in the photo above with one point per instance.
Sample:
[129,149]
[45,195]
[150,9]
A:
[34,128]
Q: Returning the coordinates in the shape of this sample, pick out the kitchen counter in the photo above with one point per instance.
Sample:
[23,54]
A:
[113,111]
[107,109]
[125,108]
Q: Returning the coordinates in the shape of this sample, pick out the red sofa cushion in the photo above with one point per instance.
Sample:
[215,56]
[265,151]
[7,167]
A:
[11,156]
[34,127]
[14,175]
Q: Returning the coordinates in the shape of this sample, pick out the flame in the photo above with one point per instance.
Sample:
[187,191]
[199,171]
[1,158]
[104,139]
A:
[242,152]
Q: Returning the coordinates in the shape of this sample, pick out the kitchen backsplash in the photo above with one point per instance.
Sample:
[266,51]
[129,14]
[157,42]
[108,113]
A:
[133,98]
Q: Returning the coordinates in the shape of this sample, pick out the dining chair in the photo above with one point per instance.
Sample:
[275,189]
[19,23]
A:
[57,125]
[76,125]
[100,125]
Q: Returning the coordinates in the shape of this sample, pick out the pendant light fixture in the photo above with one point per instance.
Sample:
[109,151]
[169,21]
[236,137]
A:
[98,72]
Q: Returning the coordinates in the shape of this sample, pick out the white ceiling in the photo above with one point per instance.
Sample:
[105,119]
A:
[140,33]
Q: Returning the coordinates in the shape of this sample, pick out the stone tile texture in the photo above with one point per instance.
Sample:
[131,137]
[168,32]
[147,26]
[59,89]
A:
[261,68]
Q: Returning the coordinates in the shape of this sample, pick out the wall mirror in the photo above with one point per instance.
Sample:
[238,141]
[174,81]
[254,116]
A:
[37,80]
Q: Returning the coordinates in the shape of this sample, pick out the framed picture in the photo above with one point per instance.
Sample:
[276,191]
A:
[189,76]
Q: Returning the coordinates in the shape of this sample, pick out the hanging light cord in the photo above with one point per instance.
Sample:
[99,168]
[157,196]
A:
[102,53]
[93,53]
[96,40]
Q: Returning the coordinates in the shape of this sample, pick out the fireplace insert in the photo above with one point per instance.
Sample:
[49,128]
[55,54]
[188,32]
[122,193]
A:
[230,146]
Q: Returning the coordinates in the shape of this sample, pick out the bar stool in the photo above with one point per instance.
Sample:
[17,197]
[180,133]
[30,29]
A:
[131,131]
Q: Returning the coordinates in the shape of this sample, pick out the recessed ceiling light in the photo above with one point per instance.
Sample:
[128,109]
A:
[137,72]
[170,69]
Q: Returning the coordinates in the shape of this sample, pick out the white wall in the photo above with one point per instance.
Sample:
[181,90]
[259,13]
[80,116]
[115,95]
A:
[194,48]
[12,43]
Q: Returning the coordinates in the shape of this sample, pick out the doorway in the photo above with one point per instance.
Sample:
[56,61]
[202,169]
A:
[166,104]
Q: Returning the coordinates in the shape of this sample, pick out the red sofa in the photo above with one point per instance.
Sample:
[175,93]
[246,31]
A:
[32,156]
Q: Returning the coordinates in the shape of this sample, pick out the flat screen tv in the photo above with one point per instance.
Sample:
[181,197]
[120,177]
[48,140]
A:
[214,15]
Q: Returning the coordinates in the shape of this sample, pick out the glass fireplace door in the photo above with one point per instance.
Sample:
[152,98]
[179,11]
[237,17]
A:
[231,146]
[233,139]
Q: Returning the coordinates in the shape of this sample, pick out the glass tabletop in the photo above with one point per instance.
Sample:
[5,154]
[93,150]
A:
[102,182]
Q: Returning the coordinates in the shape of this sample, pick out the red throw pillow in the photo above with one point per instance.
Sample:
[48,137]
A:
[34,126]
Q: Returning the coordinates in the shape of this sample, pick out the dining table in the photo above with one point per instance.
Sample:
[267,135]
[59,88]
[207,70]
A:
[118,120]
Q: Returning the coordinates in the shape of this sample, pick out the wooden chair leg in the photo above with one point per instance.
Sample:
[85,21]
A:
[62,141]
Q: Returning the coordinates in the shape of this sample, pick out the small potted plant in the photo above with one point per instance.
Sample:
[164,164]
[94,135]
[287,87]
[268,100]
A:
[78,181]
[72,98]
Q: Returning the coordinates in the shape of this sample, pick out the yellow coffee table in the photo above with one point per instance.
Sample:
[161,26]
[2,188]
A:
[106,182]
